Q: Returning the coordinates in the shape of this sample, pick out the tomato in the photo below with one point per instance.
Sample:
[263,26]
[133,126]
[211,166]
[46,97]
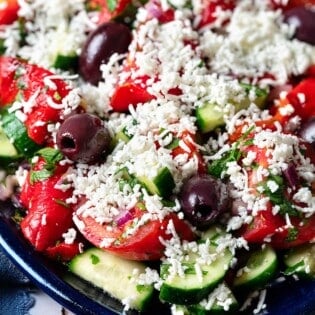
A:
[8,85]
[8,11]
[302,98]
[20,78]
[130,93]
[156,10]
[48,216]
[144,244]
[189,147]
[108,9]
[310,72]
[62,251]
[303,231]
[210,9]
[264,225]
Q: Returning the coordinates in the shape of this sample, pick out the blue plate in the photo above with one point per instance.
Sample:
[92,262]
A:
[289,297]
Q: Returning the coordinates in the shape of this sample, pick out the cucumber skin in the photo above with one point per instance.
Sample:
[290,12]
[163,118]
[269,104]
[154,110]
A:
[162,185]
[180,295]
[66,62]
[78,266]
[297,255]
[184,296]
[15,129]
[242,284]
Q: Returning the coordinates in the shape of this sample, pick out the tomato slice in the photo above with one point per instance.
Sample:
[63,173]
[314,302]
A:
[264,225]
[302,98]
[8,11]
[210,9]
[18,77]
[48,216]
[301,232]
[144,244]
[8,85]
[155,9]
[189,148]
[62,251]
[130,93]
[108,9]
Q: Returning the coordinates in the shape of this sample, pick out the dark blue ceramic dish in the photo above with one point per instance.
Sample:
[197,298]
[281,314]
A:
[289,297]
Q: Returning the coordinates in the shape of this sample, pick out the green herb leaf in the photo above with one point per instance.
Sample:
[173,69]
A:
[51,156]
[41,175]
[278,197]
[217,167]
[112,5]
[300,266]
[94,259]
[293,233]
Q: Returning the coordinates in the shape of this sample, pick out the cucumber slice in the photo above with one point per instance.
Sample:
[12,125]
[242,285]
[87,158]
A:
[227,306]
[301,261]
[162,184]
[66,62]
[192,288]
[7,149]
[17,134]
[210,116]
[260,268]
[114,275]
[8,153]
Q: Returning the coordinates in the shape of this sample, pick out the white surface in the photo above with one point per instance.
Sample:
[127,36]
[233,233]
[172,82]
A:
[44,305]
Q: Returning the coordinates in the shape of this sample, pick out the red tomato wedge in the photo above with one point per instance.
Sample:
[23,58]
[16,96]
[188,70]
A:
[108,9]
[63,251]
[130,93]
[20,78]
[48,216]
[303,231]
[8,11]
[144,244]
[211,9]
[302,98]
[264,225]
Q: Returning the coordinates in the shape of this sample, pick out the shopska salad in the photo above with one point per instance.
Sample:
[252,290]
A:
[174,131]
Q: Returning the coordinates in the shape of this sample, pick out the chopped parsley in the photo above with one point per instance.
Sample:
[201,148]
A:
[51,157]
[278,197]
[217,167]
[112,5]
[292,234]
[94,259]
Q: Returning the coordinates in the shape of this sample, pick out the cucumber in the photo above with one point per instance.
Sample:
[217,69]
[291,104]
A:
[301,261]
[259,270]
[7,149]
[210,115]
[218,307]
[65,62]
[162,184]
[123,135]
[191,288]
[16,132]
[114,275]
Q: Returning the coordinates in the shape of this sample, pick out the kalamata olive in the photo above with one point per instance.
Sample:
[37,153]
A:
[307,131]
[303,19]
[105,40]
[83,138]
[203,198]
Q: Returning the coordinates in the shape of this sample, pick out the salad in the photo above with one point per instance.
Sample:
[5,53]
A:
[163,149]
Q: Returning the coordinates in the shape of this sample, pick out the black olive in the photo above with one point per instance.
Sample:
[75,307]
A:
[107,39]
[83,138]
[203,198]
